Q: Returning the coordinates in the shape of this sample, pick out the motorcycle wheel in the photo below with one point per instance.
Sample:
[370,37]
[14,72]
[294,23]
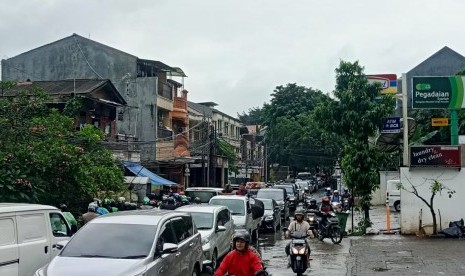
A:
[336,235]
[320,235]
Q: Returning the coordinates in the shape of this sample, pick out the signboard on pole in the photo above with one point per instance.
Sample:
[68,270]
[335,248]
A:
[388,82]
[391,125]
[435,156]
[439,121]
[438,92]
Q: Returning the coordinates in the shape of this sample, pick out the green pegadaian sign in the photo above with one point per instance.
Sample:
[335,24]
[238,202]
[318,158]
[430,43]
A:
[438,92]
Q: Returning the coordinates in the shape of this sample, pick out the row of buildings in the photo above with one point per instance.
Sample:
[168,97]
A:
[142,107]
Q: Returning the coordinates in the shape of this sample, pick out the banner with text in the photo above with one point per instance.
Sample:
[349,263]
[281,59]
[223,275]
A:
[435,156]
[438,92]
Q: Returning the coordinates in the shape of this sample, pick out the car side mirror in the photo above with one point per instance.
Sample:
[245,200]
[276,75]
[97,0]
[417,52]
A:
[220,228]
[74,229]
[61,244]
[169,248]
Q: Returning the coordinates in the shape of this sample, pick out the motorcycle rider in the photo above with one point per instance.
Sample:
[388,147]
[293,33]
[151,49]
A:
[197,200]
[312,205]
[298,225]
[242,261]
[91,213]
[168,204]
[326,208]
[348,196]
[336,197]
[328,192]
[68,216]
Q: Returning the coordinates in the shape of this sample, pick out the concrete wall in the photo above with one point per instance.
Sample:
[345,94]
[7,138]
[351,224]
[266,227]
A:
[379,196]
[450,208]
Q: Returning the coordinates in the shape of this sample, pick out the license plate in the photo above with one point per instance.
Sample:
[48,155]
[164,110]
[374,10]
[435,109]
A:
[298,258]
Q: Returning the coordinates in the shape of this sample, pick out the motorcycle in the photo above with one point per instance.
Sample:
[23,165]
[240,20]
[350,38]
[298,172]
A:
[312,220]
[328,227]
[307,200]
[299,253]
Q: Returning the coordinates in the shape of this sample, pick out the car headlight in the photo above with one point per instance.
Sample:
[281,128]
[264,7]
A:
[268,218]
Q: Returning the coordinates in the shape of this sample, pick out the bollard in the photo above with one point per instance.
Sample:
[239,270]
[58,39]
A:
[388,218]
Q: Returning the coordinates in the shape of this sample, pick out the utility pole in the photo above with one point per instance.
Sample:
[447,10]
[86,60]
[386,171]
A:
[212,164]
[203,142]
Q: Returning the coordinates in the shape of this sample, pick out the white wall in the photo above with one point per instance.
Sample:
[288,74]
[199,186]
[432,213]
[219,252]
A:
[450,208]
[379,196]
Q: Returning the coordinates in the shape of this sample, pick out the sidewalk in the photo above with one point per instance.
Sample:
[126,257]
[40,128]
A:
[378,217]
[405,255]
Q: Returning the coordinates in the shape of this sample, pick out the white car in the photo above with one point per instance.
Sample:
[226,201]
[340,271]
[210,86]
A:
[204,193]
[240,211]
[143,242]
[216,226]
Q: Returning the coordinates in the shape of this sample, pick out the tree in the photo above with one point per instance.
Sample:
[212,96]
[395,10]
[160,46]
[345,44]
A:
[253,117]
[292,136]
[435,188]
[42,160]
[356,115]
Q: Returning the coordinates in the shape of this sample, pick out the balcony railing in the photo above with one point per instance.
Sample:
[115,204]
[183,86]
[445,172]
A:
[166,91]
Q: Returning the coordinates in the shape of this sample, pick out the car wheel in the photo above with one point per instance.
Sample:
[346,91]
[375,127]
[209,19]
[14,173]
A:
[397,206]
[214,259]
[195,272]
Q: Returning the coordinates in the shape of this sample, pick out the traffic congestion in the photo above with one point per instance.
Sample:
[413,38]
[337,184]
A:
[199,231]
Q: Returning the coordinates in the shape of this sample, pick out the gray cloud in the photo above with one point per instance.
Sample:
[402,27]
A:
[236,51]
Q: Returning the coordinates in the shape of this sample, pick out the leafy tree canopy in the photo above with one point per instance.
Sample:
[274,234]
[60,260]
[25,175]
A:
[42,160]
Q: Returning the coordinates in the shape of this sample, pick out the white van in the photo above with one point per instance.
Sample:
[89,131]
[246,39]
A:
[29,234]
[393,194]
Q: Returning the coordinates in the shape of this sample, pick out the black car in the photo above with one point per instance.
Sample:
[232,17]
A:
[279,195]
[291,192]
[271,219]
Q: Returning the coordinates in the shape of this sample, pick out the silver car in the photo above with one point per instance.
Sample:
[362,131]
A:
[216,226]
[144,242]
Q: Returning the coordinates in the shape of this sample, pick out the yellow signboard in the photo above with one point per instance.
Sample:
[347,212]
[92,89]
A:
[440,121]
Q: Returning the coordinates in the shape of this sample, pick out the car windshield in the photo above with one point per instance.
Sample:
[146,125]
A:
[203,220]
[289,189]
[203,195]
[268,204]
[236,206]
[303,185]
[111,240]
[276,195]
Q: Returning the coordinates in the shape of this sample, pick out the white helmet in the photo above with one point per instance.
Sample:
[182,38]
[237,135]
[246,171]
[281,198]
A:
[92,207]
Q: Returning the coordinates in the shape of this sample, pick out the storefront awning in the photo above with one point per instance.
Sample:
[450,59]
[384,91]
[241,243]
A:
[140,170]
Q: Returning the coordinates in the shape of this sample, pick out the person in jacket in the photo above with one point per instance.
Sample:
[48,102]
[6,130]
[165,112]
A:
[242,261]
[91,213]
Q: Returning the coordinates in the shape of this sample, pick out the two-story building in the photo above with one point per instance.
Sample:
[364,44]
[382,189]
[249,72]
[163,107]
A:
[147,86]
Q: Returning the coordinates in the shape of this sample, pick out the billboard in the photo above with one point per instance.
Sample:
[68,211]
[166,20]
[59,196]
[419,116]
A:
[388,82]
[438,92]
[391,125]
[435,156]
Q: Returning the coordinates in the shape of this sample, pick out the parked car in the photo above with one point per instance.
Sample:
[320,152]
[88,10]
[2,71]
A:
[280,196]
[393,194]
[272,218]
[29,234]
[216,226]
[291,192]
[142,242]
[240,211]
[204,193]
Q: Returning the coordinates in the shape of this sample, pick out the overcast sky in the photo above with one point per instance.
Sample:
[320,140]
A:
[235,52]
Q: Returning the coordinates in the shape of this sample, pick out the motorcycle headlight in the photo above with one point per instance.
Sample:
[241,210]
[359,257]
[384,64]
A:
[311,218]
[268,218]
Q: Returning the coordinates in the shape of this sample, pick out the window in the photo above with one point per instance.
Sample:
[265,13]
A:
[203,220]
[112,240]
[7,228]
[223,217]
[59,226]
[236,206]
[183,228]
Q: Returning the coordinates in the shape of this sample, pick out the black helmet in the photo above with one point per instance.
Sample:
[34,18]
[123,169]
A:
[313,201]
[197,200]
[241,235]
[63,207]
[170,200]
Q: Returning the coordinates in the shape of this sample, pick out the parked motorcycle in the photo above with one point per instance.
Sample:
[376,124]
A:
[328,227]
